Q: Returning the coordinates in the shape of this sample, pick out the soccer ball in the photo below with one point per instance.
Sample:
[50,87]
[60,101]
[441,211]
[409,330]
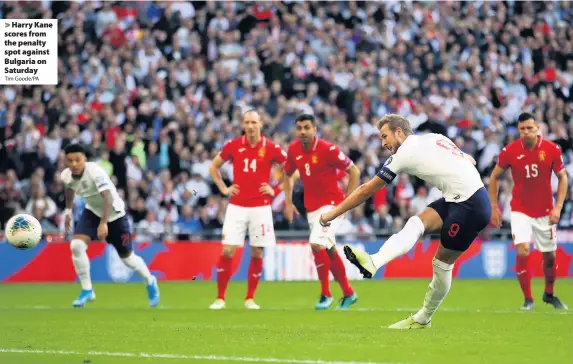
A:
[23,231]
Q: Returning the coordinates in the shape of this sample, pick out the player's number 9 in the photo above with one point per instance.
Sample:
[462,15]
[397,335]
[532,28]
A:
[531,171]
[307,169]
[253,165]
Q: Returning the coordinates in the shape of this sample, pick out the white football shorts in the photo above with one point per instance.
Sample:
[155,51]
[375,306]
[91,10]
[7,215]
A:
[324,236]
[257,220]
[525,229]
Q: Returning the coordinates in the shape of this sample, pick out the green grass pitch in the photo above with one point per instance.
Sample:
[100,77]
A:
[479,322]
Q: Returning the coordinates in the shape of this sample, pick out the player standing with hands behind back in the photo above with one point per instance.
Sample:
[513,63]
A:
[531,159]
[103,219]
[250,205]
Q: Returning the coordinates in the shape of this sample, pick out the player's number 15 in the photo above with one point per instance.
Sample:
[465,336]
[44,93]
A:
[531,170]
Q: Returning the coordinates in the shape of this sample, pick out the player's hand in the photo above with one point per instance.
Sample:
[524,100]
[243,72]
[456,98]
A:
[554,216]
[232,190]
[496,217]
[266,189]
[68,223]
[290,211]
[102,232]
[324,220]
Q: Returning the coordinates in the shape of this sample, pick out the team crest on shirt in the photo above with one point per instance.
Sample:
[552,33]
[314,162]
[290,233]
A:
[85,185]
[262,152]
[542,155]
[314,159]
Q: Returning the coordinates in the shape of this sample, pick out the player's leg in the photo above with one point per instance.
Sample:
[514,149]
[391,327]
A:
[545,240]
[234,229]
[399,243]
[119,235]
[326,237]
[84,231]
[322,261]
[460,228]
[521,230]
[261,235]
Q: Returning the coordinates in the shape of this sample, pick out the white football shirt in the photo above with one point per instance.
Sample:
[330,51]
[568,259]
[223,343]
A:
[90,185]
[437,160]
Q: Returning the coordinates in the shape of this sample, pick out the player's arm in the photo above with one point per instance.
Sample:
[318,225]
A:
[494,184]
[69,195]
[358,196]
[107,205]
[218,180]
[290,175]
[561,188]
[353,179]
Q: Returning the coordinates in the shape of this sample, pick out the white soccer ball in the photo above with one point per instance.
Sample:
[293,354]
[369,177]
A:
[23,231]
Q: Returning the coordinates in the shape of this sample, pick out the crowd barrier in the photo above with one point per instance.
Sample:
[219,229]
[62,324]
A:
[288,261]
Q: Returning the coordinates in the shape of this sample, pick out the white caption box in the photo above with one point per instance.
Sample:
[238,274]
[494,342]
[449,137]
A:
[29,52]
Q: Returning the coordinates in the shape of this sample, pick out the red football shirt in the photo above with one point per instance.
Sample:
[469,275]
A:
[251,168]
[531,172]
[319,174]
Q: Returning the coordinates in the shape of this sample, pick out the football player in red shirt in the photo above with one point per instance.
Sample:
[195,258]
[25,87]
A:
[318,162]
[249,208]
[533,216]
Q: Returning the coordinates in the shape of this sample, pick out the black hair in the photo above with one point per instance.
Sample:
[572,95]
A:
[75,148]
[305,117]
[525,116]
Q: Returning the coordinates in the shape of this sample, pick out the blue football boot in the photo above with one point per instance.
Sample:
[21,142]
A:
[85,296]
[153,293]
[347,301]
[323,303]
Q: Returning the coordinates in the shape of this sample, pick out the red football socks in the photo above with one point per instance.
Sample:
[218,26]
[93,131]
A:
[223,275]
[524,276]
[339,273]
[255,271]
[322,262]
[550,272]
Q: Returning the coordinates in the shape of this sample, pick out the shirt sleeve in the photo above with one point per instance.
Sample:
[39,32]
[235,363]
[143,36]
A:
[101,179]
[503,159]
[337,158]
[227,151]
[558,162]
[279,155]
[393,166]
[289,167]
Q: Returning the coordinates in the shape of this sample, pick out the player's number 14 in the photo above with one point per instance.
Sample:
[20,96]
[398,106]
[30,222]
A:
[252,166]
[531,170]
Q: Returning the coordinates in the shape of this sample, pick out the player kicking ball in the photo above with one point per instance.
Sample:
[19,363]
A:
[532,159]
[103,219]
[463,212]
[249,207]
[318,163]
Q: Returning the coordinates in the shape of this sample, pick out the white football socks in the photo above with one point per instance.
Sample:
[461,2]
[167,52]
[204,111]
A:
[399,243]
[138,265]
[81,263]
[437,291]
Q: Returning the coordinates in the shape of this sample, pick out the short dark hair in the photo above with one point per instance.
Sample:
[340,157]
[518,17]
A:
[75,148]
[525,116]
[395,121]
[305,117]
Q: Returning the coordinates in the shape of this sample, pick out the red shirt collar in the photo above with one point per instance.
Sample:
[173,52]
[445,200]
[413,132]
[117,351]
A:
[539,140]
[263,141]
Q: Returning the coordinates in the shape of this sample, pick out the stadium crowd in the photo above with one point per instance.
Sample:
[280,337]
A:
[156,88]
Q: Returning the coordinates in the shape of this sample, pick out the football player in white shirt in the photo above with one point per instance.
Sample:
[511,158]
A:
[463,212]
[104,219]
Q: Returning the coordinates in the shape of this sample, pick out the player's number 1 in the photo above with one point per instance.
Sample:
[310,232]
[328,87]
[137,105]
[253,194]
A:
[253,165]
[531,171]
